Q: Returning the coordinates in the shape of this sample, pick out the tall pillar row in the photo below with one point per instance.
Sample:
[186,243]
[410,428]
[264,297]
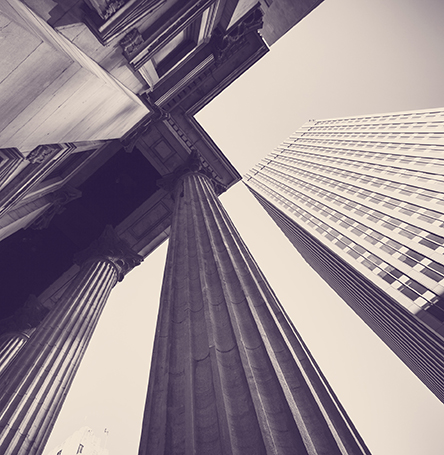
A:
[34,385]
[230,374]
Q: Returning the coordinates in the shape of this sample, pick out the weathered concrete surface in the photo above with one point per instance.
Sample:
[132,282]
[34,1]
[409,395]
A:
[51,92]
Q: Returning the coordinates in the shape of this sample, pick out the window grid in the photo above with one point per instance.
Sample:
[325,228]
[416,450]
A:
[374,179]
[318,155]
[409,287]
[422,236]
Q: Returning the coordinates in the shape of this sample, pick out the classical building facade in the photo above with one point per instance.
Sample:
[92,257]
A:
[362,199]
[101,161]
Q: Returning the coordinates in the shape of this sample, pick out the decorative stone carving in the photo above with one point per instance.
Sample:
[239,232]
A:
[194,163]
[223,43]
[110,248]
[60,199]
[112,7]
[159,114]
[106,8]
[131,41]
[42,153]
[129,141]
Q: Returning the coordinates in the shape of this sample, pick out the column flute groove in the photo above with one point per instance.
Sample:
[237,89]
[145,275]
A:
[249,423]
[70,362]
[251,343]
[263,284]
[34,386]
[219,347]
[229,373]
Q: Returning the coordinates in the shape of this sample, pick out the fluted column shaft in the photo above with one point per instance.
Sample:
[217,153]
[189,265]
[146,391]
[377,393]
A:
[10,345]
[230,374]
[35,384]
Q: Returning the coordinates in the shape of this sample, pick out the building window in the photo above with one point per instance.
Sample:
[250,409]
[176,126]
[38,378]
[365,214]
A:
[174,51]
[429,244]
[386,277]
[416,286]
[435,238]
[432,274]
[412,295]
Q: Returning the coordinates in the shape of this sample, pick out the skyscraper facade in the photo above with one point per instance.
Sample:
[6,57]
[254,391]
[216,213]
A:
[362,199]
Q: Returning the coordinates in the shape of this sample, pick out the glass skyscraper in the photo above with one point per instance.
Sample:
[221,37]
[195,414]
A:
[362,199]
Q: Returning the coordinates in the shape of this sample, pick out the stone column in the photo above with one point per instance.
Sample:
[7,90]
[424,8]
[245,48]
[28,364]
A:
[16,330]
[10,346]
[230,374]
[34,385]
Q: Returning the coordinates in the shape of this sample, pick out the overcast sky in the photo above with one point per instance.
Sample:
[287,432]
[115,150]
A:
[348,57]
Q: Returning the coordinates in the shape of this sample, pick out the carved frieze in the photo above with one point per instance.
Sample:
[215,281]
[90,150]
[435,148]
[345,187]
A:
[131,41]
[43,153]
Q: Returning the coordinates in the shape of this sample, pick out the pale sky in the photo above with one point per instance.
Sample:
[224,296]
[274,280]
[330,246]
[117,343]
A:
[348,57]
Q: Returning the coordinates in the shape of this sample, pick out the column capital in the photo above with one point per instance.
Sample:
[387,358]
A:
[194,164]
[111,248]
